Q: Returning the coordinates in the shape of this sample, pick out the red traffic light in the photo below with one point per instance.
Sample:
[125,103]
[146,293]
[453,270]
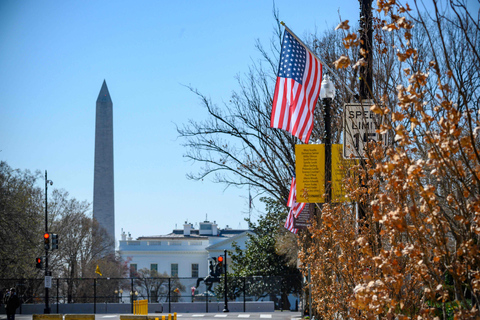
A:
[220,259]
[39,262]
[46,240]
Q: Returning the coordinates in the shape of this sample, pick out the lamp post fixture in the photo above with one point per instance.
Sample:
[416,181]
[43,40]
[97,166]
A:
[119,294]
[327,93]
[47,274]
[133,297]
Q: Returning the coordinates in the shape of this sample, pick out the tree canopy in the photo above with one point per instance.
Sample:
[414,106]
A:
[260,257]
[20,222]
[82,243]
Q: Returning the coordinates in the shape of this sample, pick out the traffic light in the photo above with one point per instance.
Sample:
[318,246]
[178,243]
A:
[46,241]
[219,268]
[54,241]
[39,262]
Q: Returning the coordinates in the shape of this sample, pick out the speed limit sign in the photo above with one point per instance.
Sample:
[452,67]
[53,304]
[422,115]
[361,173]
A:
[360,126]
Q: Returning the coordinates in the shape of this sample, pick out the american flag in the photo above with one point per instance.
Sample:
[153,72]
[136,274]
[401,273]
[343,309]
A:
[292,196]
[295,207]
[289,224]
[297,89]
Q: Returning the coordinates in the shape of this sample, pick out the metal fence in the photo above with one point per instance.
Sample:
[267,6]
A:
[284,291]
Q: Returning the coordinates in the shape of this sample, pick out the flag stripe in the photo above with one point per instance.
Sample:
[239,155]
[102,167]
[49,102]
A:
[289,224]
[293,194]
[298,208]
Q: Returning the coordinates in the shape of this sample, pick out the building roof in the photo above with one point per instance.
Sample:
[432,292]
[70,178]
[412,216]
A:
[194,233]
[206,230]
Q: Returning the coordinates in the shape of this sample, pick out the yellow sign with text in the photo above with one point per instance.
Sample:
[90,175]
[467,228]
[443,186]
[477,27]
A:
[310,172]
[340,170]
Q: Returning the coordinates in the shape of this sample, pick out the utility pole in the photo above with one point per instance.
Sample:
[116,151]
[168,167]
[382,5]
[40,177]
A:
[366,33]
[366,71]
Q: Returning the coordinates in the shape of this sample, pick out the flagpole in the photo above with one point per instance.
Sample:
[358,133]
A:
[249,204]
[323,63]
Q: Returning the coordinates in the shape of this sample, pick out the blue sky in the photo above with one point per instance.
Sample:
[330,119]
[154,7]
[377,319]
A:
[55,55]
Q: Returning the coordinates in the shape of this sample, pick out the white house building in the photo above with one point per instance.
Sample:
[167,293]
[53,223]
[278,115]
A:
[183,253]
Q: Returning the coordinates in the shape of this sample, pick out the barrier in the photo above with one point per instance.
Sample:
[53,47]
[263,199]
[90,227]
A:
[47,317]
[140,307]
[134,317]
[169,317]
[157,309]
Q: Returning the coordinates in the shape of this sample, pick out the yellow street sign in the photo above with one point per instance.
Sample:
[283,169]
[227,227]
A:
[310,172]
[340,168]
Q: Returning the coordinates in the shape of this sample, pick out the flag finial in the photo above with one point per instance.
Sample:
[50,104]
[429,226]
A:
[97,271]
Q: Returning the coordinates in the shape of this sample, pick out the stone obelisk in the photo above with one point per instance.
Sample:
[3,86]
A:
[103,187]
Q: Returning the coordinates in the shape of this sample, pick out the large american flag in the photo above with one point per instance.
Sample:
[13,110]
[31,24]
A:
[295,207]
[297,89]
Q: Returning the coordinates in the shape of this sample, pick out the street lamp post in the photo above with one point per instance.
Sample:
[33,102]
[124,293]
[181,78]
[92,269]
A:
[47,307]
[133,298]
[225,306]
[119,294]
[327,93]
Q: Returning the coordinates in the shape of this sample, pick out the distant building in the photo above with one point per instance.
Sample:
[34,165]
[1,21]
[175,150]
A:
[183,253]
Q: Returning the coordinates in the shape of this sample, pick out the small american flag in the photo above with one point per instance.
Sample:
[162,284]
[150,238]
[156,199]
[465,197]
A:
[289,224]
[297,89]
[292,197]
[295,207]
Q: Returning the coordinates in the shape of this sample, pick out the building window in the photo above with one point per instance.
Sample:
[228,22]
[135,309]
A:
[174,270]
[194,270]
[133,269]
[154,267]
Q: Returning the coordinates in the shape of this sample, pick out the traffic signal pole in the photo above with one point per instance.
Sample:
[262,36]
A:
[225,307]
[47,307]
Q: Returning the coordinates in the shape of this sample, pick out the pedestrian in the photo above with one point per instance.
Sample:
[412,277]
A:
[12,302]
[5,297]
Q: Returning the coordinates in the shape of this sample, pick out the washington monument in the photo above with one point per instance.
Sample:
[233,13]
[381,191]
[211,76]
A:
[103,188]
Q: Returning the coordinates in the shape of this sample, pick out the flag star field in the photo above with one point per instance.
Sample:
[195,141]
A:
[293,59]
